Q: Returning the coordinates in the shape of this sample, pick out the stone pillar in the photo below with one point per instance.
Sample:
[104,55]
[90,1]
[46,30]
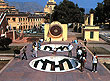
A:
[13,34]
[91,19]
[78,27]
[73,26]
[86,20]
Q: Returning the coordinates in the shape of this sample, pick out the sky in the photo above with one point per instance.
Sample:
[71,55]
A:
[87,4]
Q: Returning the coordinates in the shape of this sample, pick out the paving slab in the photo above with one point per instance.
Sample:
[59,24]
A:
[19,70]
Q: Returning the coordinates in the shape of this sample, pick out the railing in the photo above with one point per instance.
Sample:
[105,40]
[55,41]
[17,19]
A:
[2,18]
[1,15]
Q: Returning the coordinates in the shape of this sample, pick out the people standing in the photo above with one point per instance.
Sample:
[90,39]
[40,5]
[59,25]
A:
[79,53]
[24,53]
[50,40]
[77,50]
[84,52]
[94,62]
[39,45]
[82,60]
[36,51]
[54,51]
[85,42]
[70,47]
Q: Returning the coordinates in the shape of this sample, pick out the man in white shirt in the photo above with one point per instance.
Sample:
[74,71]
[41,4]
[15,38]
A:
[79,53]
[94,62]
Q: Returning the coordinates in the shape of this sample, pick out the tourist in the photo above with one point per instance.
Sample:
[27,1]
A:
[34,54]
[24,53]
[79,53]
[54,51]
[50,40]
[41,40]
[39,45]
[70,47]
[94,62]
[36,44]
[77,49]
[82,61]
[75,41]
[84,52]
[85,42]
[36,51]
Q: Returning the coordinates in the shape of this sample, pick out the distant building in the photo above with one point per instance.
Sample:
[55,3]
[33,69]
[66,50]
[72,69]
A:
[49,8]
[24,21]
[90,31]
[4,7]
[39,13]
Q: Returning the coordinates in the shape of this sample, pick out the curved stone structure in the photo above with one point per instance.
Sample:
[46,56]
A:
[54,64]
[50,47]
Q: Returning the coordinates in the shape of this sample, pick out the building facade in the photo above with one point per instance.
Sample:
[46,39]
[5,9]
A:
[49,8]
[90,31]
[24,21]
[4,7]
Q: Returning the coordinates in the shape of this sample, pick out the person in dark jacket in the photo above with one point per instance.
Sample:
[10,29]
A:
[24,53]
[85,42]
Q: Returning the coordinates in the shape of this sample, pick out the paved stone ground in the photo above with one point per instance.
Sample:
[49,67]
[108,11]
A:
[19,70]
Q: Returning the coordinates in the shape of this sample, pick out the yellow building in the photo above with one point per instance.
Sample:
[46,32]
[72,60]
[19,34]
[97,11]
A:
[24,21]
[91,33]
[49,8]
[39,13]
[56,31]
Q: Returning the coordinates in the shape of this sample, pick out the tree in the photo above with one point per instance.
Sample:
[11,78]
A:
[68,12]
[102,12]
[107,10]
[99,13]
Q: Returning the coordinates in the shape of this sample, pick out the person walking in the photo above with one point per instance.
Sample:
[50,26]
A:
[70,47]
[94,62]
[39,45]
[50,40]
[82,61]
[84,52]
[24,53]
[85,42]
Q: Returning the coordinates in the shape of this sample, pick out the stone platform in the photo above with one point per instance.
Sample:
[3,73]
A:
[19,70]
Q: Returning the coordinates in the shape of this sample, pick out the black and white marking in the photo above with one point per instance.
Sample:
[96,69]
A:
[50,47]
[54,64]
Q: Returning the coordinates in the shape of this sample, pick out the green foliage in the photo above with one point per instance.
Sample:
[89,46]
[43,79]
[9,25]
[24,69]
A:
[102,12]
[68,12]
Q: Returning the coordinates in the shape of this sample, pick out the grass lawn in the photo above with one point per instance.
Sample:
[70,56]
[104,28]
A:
[10,49]
[3,63]
[107,65]
[99,50]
